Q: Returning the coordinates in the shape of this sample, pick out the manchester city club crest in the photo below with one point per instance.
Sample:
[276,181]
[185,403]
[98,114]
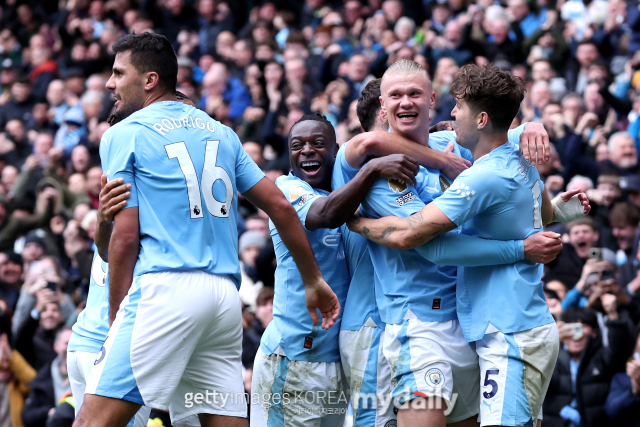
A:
[434,377]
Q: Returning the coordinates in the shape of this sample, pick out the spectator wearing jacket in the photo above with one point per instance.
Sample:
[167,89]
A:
[50,385]
[580,383]
[623,402]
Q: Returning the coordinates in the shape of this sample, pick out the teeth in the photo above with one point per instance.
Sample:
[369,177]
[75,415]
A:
[304,164]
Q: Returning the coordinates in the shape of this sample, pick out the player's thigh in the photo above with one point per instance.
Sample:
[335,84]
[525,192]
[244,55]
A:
[141,419]
[79,366]
[515,373]
[214,369]
[149,344]
[100,411]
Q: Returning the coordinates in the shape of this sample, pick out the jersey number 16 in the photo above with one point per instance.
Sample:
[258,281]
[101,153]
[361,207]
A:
[210,174]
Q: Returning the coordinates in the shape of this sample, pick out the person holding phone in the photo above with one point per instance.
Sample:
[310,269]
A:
[580,383]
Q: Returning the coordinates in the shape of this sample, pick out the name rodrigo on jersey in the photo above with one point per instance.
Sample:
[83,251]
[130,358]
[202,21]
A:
[166,125]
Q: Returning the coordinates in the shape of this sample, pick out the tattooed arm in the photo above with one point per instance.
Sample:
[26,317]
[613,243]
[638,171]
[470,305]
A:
[404,233]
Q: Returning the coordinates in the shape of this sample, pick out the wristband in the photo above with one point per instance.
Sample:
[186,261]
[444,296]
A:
[35,314]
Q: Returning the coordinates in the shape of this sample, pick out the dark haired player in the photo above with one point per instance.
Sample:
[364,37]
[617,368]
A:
[500,308]
[92,326]
[173,251]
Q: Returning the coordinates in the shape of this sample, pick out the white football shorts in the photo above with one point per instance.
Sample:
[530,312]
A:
[515,372]
[176,345]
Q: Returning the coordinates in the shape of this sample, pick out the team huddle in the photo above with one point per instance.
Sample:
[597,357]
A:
[407,285]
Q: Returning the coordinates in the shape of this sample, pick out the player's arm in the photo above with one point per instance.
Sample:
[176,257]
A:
[266,196]
[469,251]
[334,210]
[404,233]
[565,207]
[123,255]
[113,198]
[379,143]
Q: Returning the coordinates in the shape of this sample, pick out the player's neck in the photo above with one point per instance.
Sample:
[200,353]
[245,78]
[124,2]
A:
[154,97]
[489,142]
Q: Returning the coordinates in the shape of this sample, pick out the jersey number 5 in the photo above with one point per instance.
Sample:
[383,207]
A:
[210,174]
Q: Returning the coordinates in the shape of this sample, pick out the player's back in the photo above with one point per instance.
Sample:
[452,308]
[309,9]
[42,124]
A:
[92,326]
[186,170]
[509,296]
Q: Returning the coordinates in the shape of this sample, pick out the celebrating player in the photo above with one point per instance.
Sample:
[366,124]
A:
[92,326]
[501,308]
[174,270]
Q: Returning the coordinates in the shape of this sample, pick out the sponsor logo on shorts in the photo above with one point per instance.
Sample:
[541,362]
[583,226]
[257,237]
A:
[436,304]
[405,198]
[434,377]
[391,423]
[308,342]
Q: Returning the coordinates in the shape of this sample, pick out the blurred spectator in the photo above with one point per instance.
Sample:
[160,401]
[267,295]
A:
[21,103]
[624,219]
[251,336]
[15,376]
[250,244]
[49,386]
[568,266]
[623,156]
[623,402]
[580,382]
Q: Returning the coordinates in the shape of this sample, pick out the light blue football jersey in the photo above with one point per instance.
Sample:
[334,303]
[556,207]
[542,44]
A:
[185,170]
[501,197]
[291,329]
[92,326]
[360,305]
[405,280]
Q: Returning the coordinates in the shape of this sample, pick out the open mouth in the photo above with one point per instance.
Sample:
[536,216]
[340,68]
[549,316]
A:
[310,167]
[407,116]
[582,245]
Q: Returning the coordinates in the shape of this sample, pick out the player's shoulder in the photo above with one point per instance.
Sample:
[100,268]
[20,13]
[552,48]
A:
[122,131]
[439,140]
[295,189]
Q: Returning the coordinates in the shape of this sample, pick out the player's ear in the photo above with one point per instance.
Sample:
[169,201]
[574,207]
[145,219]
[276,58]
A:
[152,79]
[482,120]
[432,105]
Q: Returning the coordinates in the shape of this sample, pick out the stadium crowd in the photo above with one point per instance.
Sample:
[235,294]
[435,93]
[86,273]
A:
[259,66]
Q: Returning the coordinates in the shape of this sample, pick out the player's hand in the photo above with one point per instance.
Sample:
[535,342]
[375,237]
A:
[113,198]
[542,247]
[449,125]
[321,297]
[454,165]
[396,166]
[534,144]
[582,198]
